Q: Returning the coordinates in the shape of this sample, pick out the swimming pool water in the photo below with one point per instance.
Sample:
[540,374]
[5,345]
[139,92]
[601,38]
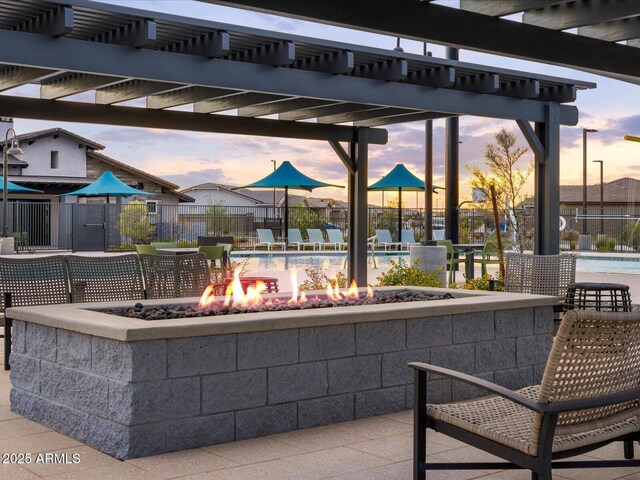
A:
[256,263]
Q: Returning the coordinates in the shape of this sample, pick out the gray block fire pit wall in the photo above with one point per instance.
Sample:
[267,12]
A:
[133,388]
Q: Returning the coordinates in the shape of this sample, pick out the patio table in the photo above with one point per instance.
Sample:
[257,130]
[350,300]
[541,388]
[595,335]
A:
[469,250]
[176,251]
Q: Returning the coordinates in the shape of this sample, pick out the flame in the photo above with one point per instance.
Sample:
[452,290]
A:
[294,286]
[353,290]
[236,297]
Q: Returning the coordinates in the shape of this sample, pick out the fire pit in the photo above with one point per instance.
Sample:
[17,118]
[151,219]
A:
[132,387]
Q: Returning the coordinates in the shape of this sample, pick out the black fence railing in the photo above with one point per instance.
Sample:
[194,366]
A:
[95,227]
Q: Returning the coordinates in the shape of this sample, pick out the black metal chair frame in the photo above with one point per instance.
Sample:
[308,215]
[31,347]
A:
[540,466]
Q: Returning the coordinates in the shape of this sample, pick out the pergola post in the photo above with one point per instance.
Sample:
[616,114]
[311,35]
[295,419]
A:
[451,169]
[358,214]
[428,179]
[547,184]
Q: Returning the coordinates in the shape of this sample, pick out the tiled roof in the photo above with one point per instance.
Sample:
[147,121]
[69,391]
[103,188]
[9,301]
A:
[622,190]
[25,137]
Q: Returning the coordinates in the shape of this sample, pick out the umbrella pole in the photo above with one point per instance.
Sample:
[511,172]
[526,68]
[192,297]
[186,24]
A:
[400,214]
[286,217]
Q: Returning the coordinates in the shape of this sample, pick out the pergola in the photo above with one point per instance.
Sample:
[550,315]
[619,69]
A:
[74,46]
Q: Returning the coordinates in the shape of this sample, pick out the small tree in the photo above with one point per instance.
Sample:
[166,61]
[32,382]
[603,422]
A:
[135,224]
[509,181]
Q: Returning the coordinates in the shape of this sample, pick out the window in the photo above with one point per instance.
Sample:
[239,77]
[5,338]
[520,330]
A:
[54,159]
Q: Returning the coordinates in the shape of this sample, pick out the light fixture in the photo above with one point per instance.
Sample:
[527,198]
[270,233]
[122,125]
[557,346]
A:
[7,150]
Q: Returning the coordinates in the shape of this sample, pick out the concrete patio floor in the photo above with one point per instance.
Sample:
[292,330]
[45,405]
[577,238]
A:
[375,448]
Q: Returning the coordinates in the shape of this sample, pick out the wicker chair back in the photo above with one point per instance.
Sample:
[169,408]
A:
[539,274]
[168,276]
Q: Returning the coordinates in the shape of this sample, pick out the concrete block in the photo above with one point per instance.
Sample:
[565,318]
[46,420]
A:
[543,320]
[464,391]
[380,337]
[515,378]
[380,402]
[129,361]
[18,338]
[234,391]
[172,435]
[429,332]
[40,342]
[266,421]
[473,327]
[326,410]
[538,372]
[495,355]
[321,343]
[156,400]
[74,350]
[80,390]
[354,374]
[297,382]
[267,349]
[514,323]
[25,372]
[534,349]
[456,357]
[191,356]
[394,366]
[438,391]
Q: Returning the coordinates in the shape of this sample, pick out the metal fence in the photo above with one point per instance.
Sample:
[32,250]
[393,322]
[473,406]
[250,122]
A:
[90,227]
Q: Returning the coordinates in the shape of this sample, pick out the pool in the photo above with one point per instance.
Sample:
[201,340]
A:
[608,264]
[335,261]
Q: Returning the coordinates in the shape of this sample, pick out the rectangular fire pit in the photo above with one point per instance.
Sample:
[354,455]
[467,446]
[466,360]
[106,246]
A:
[132,387]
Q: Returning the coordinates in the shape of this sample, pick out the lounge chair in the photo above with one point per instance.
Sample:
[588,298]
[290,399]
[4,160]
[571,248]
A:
[437,234]
[315,236]
[383,237]
[265,237]
[407,238]
[336,238]
[295,239]
[588,397]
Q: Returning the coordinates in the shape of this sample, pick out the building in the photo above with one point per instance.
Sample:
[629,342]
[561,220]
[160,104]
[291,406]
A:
[59,161]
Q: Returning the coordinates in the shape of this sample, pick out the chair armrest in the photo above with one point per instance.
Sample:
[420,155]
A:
[593,402]
[483,384]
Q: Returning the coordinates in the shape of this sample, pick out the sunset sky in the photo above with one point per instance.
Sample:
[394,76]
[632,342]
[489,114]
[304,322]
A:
[613,108]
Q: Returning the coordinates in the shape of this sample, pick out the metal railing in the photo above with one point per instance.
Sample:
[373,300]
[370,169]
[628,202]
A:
[64,226]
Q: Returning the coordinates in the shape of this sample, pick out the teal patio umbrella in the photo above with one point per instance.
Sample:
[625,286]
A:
[15,188]
[108,185]
[399,178]
[287,176]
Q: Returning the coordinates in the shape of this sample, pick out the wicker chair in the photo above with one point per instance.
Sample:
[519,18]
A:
[31,281]
[539,274]
[589,396]
[175,276]
[105,279]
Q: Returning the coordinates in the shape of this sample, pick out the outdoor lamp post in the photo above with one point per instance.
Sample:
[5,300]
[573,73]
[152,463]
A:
[584,177]
[274,191]
[7,150]
[601,162]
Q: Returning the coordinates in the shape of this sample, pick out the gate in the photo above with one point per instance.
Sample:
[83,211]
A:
[89,227]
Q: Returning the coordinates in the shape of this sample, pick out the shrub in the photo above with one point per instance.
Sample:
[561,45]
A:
[606,244]
[135,224]
[480,283]
[570,235]
[318,280]
[403,274]
[631,236]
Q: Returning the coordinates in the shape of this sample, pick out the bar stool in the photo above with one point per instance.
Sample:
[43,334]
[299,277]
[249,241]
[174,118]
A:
[607,297]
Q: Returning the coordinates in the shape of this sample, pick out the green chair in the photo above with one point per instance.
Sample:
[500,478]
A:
[146,250]
[488,256]
[215,255]
[452,260]
[228,248]
[165,244]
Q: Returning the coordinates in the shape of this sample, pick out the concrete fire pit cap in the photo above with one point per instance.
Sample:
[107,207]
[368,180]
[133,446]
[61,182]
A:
[85,317]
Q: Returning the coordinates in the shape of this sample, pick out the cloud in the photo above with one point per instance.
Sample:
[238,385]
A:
[195,177]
